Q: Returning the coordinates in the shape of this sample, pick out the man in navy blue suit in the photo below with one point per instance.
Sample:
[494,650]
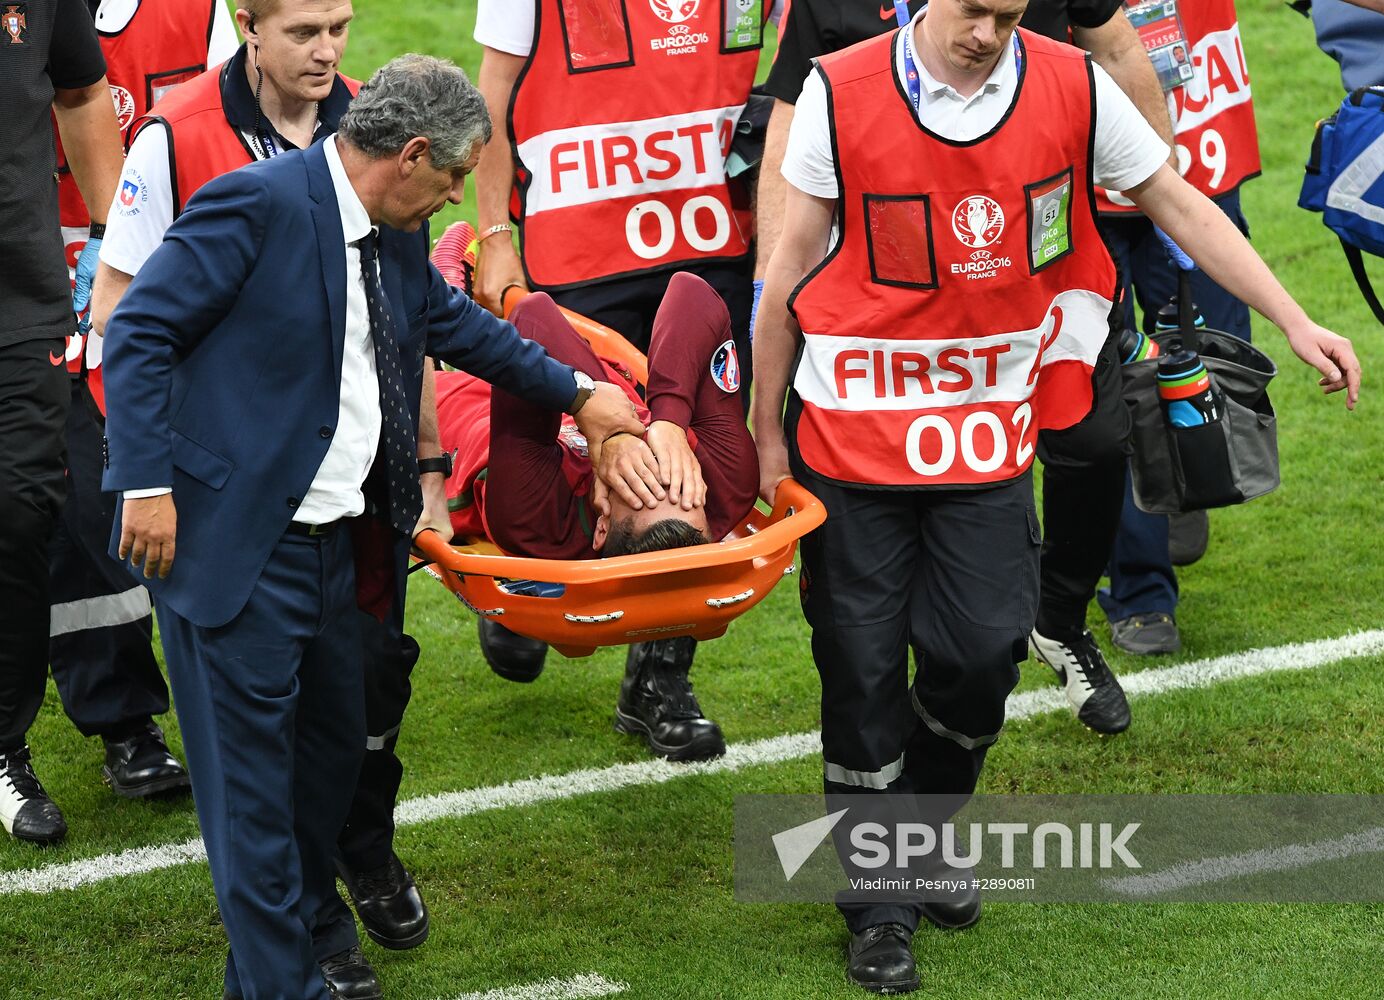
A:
[263,378]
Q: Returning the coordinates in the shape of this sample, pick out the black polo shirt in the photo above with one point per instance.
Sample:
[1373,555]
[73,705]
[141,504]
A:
[44,44]
[811,28]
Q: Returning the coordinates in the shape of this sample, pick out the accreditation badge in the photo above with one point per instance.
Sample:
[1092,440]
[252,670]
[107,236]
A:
[743,24]
[1160,30]
[1049,219]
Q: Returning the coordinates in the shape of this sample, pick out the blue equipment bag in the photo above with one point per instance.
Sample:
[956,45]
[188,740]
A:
[1345,181]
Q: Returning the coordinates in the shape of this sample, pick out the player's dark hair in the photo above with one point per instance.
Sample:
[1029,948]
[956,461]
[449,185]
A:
[670,533]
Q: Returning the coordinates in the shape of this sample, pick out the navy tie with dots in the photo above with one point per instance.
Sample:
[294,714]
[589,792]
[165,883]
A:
[396,425]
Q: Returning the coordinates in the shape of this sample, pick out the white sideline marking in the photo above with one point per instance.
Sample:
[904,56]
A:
[546,788]
[589,984]
[1274,859]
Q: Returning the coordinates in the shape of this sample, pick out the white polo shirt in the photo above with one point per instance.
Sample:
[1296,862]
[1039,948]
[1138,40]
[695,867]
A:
[1127,149]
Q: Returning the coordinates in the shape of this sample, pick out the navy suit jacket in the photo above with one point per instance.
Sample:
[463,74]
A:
[223,366]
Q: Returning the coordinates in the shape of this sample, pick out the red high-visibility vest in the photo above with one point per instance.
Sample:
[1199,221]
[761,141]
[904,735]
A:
[967,300]
[1213,113]
[622,120]
[160,46]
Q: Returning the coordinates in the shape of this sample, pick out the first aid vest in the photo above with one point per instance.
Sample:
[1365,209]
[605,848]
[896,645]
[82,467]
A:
[202,144]
[622,119]
[160,46]
[968,296]
[1213,112]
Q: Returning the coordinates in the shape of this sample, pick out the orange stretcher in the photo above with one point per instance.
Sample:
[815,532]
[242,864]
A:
[577,605]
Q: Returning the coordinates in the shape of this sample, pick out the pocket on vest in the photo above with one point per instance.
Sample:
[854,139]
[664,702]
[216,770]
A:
[898,233]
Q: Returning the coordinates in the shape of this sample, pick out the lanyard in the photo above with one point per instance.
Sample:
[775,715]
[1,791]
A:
[910,68]
[265,141]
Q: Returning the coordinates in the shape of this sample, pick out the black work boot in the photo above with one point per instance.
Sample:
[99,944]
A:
[656,702]
[140,765]
[513,656]
[388,903]
[880,959]
[350,976]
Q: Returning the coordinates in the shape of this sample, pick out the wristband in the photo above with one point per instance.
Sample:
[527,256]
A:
[441,463]
[97,231]
[495,230]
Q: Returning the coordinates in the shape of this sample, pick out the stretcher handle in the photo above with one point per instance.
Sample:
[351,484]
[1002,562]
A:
[603,340]
[784,529]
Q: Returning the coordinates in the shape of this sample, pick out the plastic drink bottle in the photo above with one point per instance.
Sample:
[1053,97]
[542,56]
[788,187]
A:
[1135,345]
[1185,390]
[1167,317]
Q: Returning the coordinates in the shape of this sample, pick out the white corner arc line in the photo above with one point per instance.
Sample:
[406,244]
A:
[589,984]
[774,750]
[1273,859]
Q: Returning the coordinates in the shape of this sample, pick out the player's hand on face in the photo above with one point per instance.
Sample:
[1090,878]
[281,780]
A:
[607,412]
[1332,355]
[600,496]
[678,468]
[627,466]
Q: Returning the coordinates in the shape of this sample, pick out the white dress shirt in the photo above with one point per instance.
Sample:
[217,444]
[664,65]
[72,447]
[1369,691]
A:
[336,488]
[1127,149]
[335,491]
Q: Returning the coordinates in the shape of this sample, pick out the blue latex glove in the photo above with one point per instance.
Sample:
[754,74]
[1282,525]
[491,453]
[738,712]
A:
[1175,252]
[86,275]
[754,306]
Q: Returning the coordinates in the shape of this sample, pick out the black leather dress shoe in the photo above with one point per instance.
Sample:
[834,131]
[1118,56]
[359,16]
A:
[880,959]
[140,766]
[350,977]
[513,656]
[388,904]
[656,702]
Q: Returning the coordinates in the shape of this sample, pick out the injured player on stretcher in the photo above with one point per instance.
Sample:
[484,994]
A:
[523,478]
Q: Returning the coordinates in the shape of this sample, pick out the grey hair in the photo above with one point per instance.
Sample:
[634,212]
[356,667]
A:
[418,96]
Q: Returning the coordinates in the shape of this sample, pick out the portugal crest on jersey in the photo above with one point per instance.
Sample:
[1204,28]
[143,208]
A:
[14,21]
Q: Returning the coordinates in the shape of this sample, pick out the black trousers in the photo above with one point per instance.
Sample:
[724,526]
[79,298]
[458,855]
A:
[368,836]
[951,574]
[628,306]
[34,398]
[1083,494]
[102,623]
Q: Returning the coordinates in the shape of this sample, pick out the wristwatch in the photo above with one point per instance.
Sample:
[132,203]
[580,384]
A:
[585,387]
[442,463]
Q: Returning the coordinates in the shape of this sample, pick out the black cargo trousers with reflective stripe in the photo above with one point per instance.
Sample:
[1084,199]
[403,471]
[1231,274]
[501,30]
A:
[953,574]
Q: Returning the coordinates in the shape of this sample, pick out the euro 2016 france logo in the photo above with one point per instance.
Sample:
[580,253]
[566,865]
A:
[725,367]
[977,221]
[674,11]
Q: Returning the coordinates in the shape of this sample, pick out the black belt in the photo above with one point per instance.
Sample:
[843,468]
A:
[315,530]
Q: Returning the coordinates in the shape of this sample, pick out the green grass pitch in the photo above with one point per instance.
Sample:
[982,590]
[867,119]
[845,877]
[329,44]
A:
[636,884]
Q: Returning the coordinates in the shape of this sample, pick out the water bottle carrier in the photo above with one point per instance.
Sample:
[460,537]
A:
[1218,464]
